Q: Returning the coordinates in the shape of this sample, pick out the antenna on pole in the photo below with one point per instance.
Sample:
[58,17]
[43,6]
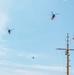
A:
[67,54]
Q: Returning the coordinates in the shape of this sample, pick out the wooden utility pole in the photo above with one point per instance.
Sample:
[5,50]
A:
[67,54]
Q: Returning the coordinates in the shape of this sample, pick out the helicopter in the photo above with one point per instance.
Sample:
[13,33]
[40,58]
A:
[9,30]
[53,15]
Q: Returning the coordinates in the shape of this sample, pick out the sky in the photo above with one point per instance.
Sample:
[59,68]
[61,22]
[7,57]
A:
[35,35]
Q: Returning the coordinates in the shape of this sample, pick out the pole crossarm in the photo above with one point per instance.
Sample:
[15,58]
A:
[64,49]
[60,48]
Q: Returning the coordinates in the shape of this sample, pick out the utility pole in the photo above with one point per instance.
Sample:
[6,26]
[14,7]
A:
[67,54]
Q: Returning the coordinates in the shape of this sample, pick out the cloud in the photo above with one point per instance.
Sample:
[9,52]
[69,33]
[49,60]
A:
[7,71]
[2,52]
[38,67]
[5,51]
[51,68]
[26,72]
[3,21]
[2,40]
[26,54]
[21,69]
[22,54]
[5,6]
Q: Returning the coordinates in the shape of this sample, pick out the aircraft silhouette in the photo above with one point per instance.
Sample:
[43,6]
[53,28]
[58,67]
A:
[53,15]
[9,30]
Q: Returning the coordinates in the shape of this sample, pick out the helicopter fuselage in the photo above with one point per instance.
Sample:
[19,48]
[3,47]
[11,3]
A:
[53,16]
[9,31]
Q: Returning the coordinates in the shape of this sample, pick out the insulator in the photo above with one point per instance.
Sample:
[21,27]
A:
[65,52]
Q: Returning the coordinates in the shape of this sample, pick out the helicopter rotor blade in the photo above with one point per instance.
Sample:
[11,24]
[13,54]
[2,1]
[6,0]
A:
[7,28]
[51,12]
[12,29]
[57,13]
